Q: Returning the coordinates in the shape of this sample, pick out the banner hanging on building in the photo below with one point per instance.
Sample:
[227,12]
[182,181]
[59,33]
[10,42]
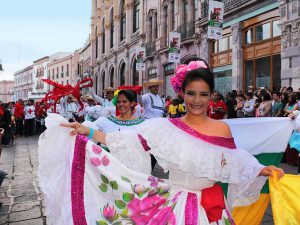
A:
[140,58]
[174,47]
[215,20]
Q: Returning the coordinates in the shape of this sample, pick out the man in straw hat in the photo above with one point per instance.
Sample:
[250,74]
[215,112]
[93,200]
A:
[154,105]
[105,102]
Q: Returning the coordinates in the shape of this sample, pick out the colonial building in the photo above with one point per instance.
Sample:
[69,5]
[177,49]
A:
[260,44]
[7,91]
[40,71]
[290,54]
[249,54]
[23,80]
[118,28]
[60,70]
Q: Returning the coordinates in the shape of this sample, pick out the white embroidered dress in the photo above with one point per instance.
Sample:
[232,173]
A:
[95,188]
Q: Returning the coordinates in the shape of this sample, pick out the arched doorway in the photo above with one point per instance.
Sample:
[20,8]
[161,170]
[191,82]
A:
[103,81]
[112,71]
[122,74]
[135,74]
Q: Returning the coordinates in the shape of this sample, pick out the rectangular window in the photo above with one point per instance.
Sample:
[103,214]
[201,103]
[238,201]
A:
[276,72]
[215,47]
[223,79]
[249,36]
[172,25]
[249,73]
[196,5]
[223,44]
[262,66]
[262,32]
[136,16]
[230,42]
[294,7]
[276,28]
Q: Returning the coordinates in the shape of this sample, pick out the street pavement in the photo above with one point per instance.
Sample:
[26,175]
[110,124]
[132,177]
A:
[20,193]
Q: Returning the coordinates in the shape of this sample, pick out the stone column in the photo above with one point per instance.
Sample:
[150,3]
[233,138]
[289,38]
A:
[237,56]
[203,43]
[117,31]
[127,69]
[154,27]
[129,21]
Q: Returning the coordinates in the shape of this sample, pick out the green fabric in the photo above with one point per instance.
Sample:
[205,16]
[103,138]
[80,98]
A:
[266,159]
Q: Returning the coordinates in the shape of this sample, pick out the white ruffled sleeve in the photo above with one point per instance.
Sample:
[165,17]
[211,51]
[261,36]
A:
[54,169]
[245,188]
[127,148]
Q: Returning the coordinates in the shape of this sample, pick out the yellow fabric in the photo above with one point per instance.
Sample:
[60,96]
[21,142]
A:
[252,214]
[173,109]
[285,199]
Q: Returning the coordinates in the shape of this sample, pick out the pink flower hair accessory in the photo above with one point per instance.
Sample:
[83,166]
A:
[181,72]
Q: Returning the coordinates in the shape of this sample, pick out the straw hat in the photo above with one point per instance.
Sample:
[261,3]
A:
[109,89]
[154,82]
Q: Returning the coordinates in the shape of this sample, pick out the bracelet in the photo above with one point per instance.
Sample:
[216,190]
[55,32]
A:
[91,134]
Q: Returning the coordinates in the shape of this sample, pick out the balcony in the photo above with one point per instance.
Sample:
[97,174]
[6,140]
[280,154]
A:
[228,5]
[150,48]
[164,41]
[186,30]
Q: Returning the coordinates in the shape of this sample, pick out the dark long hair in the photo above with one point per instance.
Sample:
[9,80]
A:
[130,95]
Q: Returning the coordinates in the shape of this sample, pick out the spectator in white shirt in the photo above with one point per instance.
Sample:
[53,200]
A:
[248,109]
[29,112]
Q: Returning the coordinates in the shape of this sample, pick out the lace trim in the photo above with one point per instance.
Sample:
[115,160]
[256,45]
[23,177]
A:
[77,181]
[221,141]
[125,122]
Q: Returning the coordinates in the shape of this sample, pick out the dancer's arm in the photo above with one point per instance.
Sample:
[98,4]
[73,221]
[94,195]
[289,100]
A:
[97,98]
[80,129]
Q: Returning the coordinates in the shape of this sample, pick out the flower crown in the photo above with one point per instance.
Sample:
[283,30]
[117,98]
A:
[181,71]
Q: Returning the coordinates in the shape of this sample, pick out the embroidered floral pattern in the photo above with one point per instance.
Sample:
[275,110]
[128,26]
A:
[126,122]
[98,161]
[141,206]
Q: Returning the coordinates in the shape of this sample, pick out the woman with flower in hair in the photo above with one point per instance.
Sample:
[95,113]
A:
[197,151]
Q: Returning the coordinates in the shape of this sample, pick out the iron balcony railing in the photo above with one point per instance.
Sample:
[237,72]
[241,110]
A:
[228,5]
[186,30]
[150,48]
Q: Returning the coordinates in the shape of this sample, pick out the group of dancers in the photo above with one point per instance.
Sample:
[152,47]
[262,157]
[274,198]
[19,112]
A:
[196,150]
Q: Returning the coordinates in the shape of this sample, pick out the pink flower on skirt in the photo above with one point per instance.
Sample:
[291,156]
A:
[105,161]
[110,213]
[95,161]
[96,149]
[150,211]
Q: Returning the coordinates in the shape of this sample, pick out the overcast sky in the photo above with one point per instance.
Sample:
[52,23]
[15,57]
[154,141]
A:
[32,29]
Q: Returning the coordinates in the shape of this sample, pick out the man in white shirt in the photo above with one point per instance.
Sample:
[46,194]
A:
[105,102]
[69,108]
[154,105]
[29,115]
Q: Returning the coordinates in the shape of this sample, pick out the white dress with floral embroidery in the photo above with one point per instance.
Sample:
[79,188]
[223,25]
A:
[95,188]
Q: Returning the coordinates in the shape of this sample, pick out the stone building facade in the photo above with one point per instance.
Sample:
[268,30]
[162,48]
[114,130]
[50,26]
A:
[7,91]
[60,70]
[290,54]
[259,45]
[23,83]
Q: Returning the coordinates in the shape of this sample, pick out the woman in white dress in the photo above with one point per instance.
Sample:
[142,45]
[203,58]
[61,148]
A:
[196,150]
[126,103]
